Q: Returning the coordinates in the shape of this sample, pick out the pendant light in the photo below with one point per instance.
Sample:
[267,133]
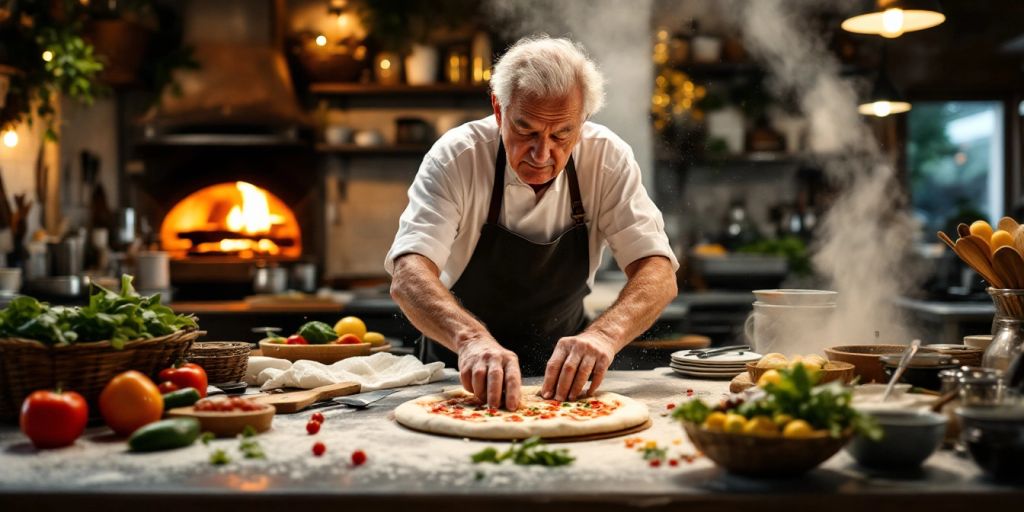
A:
[893,18]
[885,99]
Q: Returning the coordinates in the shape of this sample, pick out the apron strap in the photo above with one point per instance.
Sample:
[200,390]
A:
[498,190]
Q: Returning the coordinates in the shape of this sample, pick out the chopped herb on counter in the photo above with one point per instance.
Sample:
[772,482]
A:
[250,447]
[219,457]
[206,437]
[528,453]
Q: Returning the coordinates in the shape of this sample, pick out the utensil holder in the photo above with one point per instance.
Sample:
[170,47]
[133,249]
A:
[1007,328]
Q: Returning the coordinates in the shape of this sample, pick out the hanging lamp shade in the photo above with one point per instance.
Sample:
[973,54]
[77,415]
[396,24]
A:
[893,18]
[885,99]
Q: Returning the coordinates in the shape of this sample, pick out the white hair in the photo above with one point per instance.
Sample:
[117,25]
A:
[545,67]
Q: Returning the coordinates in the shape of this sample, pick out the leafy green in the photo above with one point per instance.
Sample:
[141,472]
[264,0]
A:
[530,452]
[118,317]
[317,333]
[219,457]
[796,394]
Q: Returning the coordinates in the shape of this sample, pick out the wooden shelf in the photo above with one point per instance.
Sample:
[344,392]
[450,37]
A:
[357,89]
[381,150]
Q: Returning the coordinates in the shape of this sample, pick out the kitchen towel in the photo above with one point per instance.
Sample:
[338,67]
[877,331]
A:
[377,371]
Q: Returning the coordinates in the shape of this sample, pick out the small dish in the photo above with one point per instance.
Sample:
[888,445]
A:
[228,423]
[908,439]
[326,354]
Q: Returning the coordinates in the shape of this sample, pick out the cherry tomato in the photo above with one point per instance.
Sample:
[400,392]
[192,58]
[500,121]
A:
[317,417]
[130,401]
[188,375]
[349,339]
[313,427]
[358,458]
[319,448]
[168,386]
[52,419]
[295,339]
[655,463]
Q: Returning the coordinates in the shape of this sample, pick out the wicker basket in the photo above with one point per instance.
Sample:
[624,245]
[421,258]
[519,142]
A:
[224,361]
[28,365]
[762,455]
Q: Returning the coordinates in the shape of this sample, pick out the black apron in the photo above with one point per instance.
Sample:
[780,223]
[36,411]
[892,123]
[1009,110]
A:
[527,294]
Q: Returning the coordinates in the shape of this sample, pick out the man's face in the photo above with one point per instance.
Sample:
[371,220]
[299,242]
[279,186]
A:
[539,134]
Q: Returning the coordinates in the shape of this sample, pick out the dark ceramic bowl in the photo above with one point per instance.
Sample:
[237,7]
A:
[908,439]
[995,438]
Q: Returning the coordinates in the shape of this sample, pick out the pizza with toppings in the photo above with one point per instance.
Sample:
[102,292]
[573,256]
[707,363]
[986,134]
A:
[459,413]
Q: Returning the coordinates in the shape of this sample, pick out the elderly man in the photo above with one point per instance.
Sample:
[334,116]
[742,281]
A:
[506,222]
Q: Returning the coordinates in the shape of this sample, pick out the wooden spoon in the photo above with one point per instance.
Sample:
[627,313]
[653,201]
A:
[1009,264]
[975,252]
[1008,224]
[945,238]
[1018,239]
[963,230]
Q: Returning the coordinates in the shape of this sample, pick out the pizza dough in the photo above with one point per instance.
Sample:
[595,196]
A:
[458,413]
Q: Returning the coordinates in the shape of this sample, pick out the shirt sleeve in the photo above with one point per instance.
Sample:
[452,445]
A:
[429,224]
[632,224]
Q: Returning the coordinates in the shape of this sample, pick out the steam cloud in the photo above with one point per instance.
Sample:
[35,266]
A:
[866,238]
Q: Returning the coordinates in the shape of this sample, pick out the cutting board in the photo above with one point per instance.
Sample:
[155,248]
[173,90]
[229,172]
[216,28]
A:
[295,401]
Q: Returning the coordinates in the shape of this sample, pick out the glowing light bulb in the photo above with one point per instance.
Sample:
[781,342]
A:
[881,108]
[10,138]
[342,21]
[385,64]
[47,56]
[321,40]
[892,23]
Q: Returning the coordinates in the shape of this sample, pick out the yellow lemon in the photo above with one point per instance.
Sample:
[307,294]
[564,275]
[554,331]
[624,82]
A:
[815,359]
[715,421]
[781,419]
[769,377]
[982,229]
[734,423]
[797,429]
[760,425]
[374,338]
[350,325]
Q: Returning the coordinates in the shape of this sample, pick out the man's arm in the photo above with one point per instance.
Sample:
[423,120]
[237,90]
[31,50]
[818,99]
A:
[485,367]
[650,287]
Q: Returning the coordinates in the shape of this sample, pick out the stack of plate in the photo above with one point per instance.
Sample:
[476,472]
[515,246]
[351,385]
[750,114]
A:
[723,365]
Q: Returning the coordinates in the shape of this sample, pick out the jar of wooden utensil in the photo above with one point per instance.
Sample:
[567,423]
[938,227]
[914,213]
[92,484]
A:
[1007,328]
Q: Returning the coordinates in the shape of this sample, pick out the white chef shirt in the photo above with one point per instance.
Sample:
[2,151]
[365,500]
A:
[450,196]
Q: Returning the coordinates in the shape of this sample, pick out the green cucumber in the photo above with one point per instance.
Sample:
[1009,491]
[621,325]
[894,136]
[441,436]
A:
[165,435]
[181,398]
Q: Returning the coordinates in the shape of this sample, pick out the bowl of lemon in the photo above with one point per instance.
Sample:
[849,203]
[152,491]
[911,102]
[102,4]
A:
[786,428]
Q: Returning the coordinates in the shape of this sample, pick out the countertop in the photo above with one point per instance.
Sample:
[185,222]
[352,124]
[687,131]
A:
[409,471]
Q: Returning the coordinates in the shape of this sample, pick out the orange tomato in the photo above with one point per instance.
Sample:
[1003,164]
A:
[130,401]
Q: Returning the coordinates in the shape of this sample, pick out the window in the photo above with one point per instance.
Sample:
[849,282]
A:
[955,161]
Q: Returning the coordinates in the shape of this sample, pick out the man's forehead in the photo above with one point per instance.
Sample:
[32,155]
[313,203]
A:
[528,114]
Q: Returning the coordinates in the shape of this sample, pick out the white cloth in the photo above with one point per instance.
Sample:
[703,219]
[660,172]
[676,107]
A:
[377,371]
[449,199]
[259,363]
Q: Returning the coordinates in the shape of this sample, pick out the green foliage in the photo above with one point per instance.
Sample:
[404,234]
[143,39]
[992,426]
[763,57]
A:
[790,247]
[394,25]
[694,411]
[118,317]
[530,452]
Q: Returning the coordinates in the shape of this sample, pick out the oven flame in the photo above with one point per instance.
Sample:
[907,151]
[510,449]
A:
[236,219]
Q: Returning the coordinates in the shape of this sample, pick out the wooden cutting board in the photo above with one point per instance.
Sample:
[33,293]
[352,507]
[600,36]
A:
[295,401]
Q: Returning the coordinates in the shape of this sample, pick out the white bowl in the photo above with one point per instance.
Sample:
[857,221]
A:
[981,341]
[793,297]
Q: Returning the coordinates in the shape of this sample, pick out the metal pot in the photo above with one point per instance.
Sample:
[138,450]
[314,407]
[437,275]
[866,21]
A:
[269,280]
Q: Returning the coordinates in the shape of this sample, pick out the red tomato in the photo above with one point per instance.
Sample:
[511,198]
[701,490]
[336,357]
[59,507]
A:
[295,339]
[188,375]
[349,339]
[313,427]
[319,417]
[167,386]
[319,448]
[53,419]
[358,458]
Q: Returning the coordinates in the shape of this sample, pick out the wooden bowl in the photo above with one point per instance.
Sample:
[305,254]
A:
[227,423]
[762,455]
[865,359]
[835,370]
[327,353]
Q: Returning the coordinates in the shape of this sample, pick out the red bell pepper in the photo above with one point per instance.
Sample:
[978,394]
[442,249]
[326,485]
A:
[188,375]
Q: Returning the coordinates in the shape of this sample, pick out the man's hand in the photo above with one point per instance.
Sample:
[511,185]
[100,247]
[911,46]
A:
[575,360]
[485,368]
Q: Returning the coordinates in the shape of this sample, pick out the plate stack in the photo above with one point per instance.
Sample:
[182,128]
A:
[721,365]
